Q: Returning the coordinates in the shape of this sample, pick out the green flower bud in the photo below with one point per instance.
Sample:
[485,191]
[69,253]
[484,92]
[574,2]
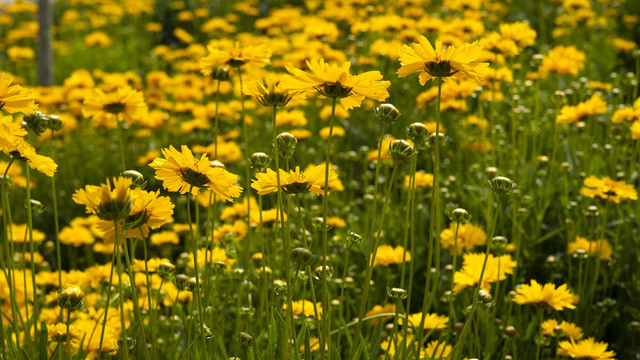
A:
[323,272]
[353,238]
[71,298]
[260,161]
[35,123]
[510,331]
[286,145]
[302,256]
[54,123]
[136,177]
[460,215]
[166,270]
[418,132]
[221,73]
[396,293]
[499,244]
[501,185]
[36,206]
[180,281]
[401,150]
[387,113]
[537,59]
[245,339]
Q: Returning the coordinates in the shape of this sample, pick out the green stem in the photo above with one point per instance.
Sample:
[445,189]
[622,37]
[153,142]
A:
[125,345]
[432,218]
[68,336]
[32,252]
[56,221]
[371,261]
[245,134]
[452,313]
[106,308]
[123,162]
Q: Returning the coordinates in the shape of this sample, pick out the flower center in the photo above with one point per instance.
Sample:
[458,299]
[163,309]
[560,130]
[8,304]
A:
[296,187]
[335,90]
[439,69]
[193,178]
[114,108]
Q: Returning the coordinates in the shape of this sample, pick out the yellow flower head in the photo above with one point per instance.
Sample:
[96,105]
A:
[257,55]
[585,349]
[296,181]
[108,202]
[440,62]
[601,247]
[13,98]
[608,189]
[469,236]
[545,295]
[181,171]
[431,321]
[124,103]
[304,307]
[270,92]
[469,274]
[336,81]
[388,255]
[570,330]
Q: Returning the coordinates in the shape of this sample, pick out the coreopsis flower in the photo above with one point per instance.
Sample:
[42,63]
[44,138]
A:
[296,181]
[270,92]
[304,307]
[607,188]
[546,295]
[469,236]
[148,211]
[585,349]
[58,332]
[563,61]
[469,274]
[180,171]
[388,255]
[423,180]
[569,330]
[593,106]
[379,309]
[14,98]
[439,62]
[591,247]
[124,103]
[13,144]
[336,81]
[431,321]
[256,55]
[109,203]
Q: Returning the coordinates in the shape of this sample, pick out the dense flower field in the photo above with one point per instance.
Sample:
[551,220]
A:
[338,179]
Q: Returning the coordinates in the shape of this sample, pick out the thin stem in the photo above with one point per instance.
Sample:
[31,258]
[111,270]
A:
[106,308]
[56,221]
[194,248]
[325,341]
[123,162]
[452,313]
[432,217]
[125,340]
[32,252]
[68,337]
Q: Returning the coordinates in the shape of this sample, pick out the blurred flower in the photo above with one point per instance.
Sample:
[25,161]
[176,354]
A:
[609,189]
[431,321]
[296,181]
[585,349]
[13,98]
[469,274]
[545,295]
[469,236]
[388,255]
[256,55]
[125,103]
[591,247]
[569,330]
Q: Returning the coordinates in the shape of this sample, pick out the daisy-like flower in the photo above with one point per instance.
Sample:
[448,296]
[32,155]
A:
[336,81]
[13,98]
[181,171]
[304,307]
[270,92]
[550,327]
[256,55]
[469,236]
[148,211]
[469,274]
[108,202]
[609,189]
[387,255]
[439,62]
[12,143]
[586,349]
[296,181]
[431,321]
[58,332]
[592,247]
[545,295]
[124,103]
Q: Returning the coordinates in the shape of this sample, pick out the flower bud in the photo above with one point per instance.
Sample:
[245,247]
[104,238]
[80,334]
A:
[499,244]
[180,281]
[592,211]
[418,132]
[136,177]
[460,215]
[353,238]
[71,298]
[245,339]
[396,293]
[302,256]
[401,150]
[260,161]
[387,113]
[35,123]
[537,59]
[54,123]
[286,144]
[36,206]
[557,331]
[323,272]
[510,331]
[220,73]
[166,270]
[636,53]
[485,297]
[501,185]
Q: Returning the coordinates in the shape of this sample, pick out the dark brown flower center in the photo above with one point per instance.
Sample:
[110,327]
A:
[114,108]
[193,178]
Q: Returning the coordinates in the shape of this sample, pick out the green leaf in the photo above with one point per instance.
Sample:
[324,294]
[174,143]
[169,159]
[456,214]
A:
[43,341]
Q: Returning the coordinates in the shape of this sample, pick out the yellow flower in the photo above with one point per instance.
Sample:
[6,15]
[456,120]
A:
[563,61]
[433,63]
[609,189]
[124,103]
[106,202]
[545,295]
[592,247]
[431,321]
[469,236]
[58,332]
[270,92]
[296,181]
[569,330]
[422,180]
[76,236]
[181,171]
[469,274]
[257,55]
[336,81]
[585,349]
[388,255]
[379,309]
[13,98]
[148,211]
[304,307]
[165,237]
